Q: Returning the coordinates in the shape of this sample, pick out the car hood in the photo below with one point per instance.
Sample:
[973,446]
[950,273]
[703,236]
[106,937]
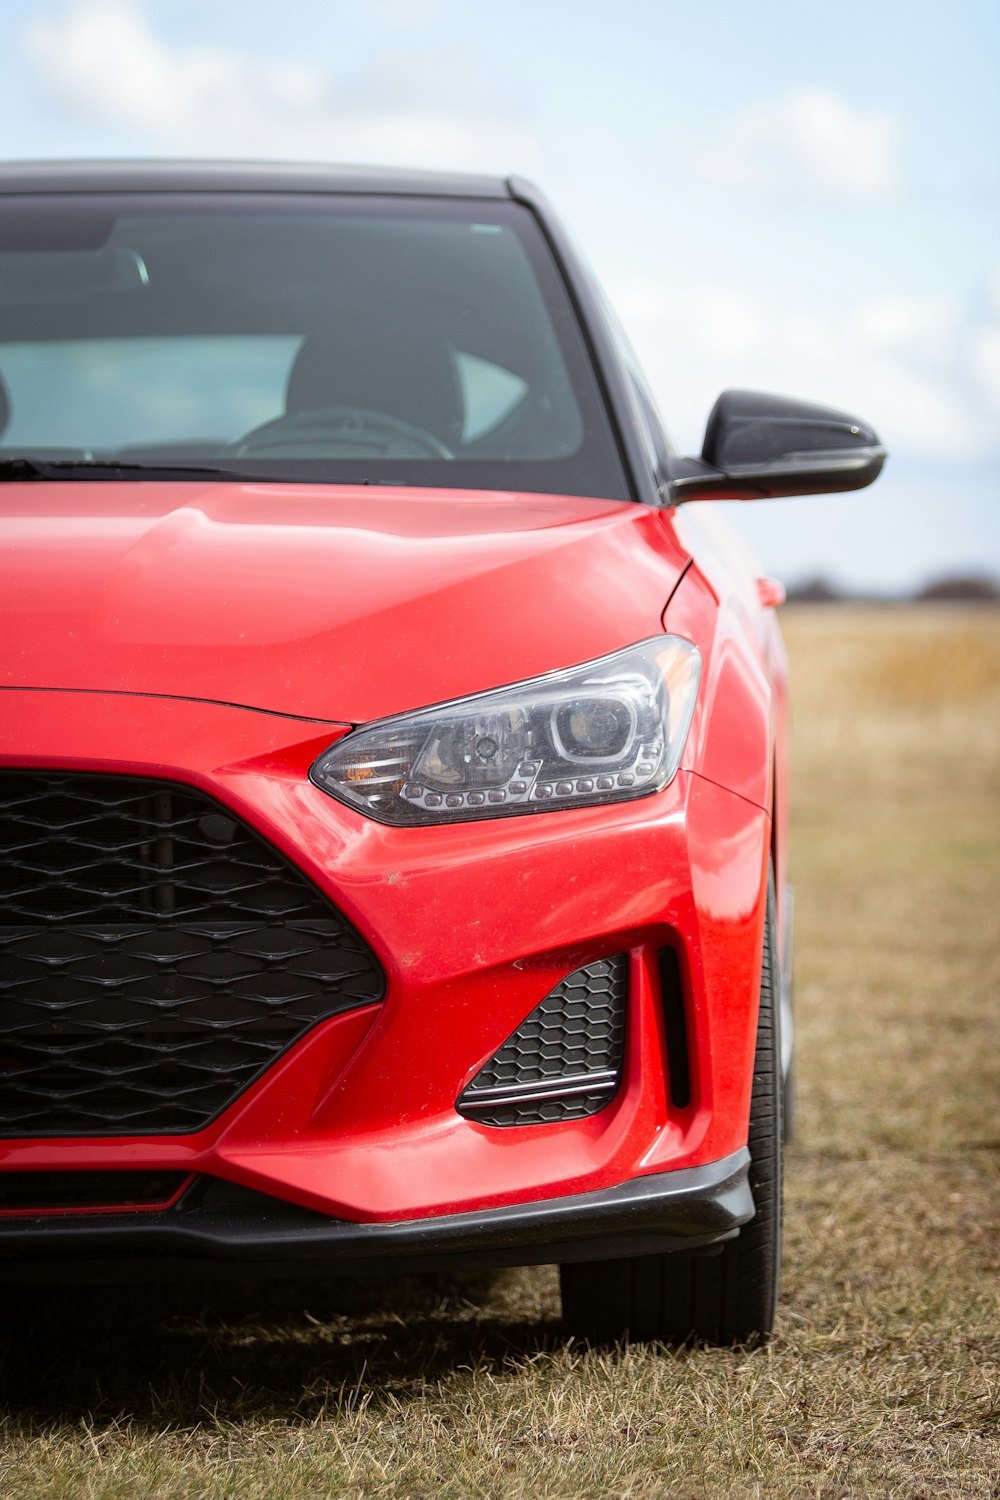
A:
[339,604]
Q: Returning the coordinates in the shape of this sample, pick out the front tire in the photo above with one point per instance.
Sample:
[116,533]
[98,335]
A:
[728,1293]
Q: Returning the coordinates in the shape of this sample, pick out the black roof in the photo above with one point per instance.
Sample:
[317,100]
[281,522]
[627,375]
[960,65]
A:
[239,177]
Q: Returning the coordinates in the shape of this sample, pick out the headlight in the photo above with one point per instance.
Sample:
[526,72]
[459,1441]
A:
[608,731]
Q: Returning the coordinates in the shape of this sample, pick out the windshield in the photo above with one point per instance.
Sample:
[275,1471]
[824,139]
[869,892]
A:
[325,339]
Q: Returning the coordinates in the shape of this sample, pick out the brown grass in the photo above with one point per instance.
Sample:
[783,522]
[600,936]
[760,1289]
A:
[883,1377]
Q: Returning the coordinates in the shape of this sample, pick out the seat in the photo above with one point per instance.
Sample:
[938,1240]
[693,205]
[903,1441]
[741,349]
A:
[395,371]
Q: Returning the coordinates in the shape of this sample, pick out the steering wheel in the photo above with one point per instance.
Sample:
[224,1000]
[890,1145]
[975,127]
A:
[339,432]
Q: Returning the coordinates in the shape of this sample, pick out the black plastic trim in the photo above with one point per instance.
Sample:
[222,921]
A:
[759,446]
[818,473]
[601,343]
[675,1028]
[667,1211]
[151,176]
[564,1060]
[24,1192]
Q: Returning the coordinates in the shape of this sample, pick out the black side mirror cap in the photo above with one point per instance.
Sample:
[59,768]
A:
[759,447]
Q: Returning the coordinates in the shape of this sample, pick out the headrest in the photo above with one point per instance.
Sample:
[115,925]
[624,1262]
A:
[395,371]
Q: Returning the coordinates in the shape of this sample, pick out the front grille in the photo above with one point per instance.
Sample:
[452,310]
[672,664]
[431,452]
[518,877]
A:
[564,1061]
[156,956]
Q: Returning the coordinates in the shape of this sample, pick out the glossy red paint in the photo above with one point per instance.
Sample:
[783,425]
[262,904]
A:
[316,601]
[473,924]
[739,736]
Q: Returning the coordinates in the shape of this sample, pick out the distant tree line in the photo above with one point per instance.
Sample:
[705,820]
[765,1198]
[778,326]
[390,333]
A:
[967,588]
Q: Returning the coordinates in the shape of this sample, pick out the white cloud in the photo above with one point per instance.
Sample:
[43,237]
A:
[902,322]
[987,357]
[103,60]
[924,374]
[994,290]
[807,138]
[986,343]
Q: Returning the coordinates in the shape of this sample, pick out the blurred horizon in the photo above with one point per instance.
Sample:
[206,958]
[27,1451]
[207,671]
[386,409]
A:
[799,201]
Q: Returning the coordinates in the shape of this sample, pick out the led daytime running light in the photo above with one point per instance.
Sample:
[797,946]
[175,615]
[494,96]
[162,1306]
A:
[607,731]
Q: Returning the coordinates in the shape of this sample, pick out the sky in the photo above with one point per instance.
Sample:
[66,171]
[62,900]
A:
[788,196]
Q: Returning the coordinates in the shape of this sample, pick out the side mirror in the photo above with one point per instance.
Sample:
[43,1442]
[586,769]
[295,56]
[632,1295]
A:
[758,447]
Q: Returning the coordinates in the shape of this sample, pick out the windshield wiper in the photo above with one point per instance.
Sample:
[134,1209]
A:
[24,468]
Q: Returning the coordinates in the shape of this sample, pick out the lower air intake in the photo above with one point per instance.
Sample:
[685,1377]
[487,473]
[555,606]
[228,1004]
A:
[156,956]
[44,1192]
[564,1061]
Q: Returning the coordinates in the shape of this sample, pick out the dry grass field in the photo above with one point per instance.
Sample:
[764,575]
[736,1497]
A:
[883,1378]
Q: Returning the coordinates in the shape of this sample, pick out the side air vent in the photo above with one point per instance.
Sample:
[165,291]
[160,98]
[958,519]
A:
[675,1029]
[564,1061]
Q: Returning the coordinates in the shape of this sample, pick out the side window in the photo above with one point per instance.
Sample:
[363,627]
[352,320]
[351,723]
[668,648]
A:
[489,393]
[654,427]
[649,422]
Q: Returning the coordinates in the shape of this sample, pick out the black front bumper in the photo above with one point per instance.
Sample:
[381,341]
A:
[218,1229]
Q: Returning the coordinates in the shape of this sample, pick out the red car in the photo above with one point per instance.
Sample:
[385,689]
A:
[393,762]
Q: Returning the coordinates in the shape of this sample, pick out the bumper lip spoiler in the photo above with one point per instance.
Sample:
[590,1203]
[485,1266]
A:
[217,1228]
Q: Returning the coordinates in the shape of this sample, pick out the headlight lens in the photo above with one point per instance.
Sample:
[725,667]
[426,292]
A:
[608,731]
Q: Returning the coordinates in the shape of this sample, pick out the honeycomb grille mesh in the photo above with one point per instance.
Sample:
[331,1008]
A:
[156,956]
[564,1061]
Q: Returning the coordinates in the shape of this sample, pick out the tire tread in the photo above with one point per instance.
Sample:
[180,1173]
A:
[727,1296]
